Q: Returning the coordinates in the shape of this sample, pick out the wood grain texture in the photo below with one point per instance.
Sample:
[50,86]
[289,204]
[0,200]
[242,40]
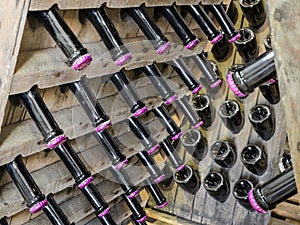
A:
[12,21]
[283,17]
[68,4]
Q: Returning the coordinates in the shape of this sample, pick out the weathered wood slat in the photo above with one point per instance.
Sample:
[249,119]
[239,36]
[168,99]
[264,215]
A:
[11,31]
[67,4]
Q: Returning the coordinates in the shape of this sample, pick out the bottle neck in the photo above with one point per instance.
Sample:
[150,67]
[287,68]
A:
[186,75]
[167,121]
[158,81]
[54,213]
[256,72]
[62,34]
[24,182]
[178,24]
[205,23]
[89,102]
[40,114]
[148,26]
[276,190]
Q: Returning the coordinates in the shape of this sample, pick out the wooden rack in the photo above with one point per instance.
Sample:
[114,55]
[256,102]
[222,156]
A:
[30,57]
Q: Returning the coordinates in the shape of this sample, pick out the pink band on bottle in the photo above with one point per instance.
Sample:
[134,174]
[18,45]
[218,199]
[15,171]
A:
[192,44]
[103,126]
[82,62]
[171,99]
[53,143]
[104,213]
[216,39]
[38,206]
[140,112]
[233,39]
[198,124]
[86,182]
[162,49]
[142,219]
[123,59]
[254,204]
[233,87]
[163,205]
[181,167]
[159,179]
[133,194]
[196,90]
[217,83]
[154,149]
[175,137]
[121,164]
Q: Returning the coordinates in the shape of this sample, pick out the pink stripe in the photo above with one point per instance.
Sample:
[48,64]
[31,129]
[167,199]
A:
[82,62]
[254,204]
[171,99]
[104,213]
[134,194]
[235,38]
[216,39]
[86,182]
[53,143]
[140,112]
[154,149]
[163,205]
[196,90]
[192,44]
[217,83]
[162,49]
[123,59]
[142,219]
[233,87]
[103,126]
[38,206]
[175,137]
[159,179]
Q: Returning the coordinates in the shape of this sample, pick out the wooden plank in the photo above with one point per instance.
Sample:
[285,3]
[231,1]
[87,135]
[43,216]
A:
[167,218]
[68,4]
[31,69]
[287,210]
[274,221]
[12,20]
[283,17]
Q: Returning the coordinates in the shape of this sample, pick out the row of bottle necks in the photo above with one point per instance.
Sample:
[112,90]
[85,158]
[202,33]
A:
[242,80]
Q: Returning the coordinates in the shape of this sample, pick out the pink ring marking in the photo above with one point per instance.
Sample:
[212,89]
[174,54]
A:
[163,205]
[181,167]
[198,124]
[217,83]
[216,39]
[142,219]
[38,206]
[159,179]
[103,126]
[171,99]
[104,213]
[176,136]
[53,143]
[82,62]
[192,44]
[162,49]
[121,164]
[272,80]
[153,150]
[233,39]
[86,182]
[133,194]
[233,87]
[123,59]
[196,90]
[140,112]
[254,204]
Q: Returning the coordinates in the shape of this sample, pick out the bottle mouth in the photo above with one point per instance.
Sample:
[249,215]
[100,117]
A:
[251,154]
[228,109]
[259,114]
[213,181]
[220,150]
[191,137]
[268,42]
[183,176]
[247,35]
[242,188]
[200,102]
[248,3]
